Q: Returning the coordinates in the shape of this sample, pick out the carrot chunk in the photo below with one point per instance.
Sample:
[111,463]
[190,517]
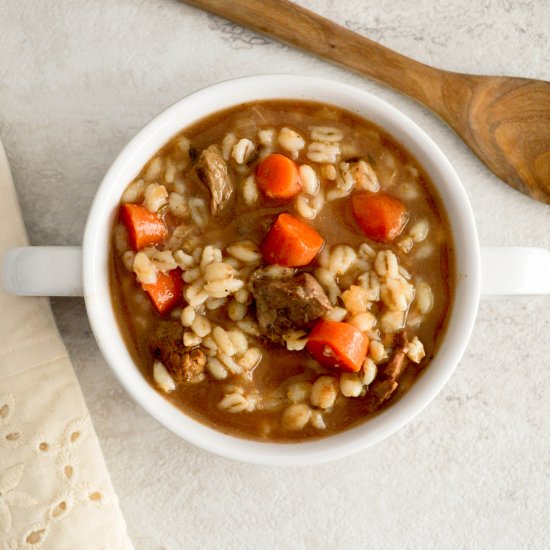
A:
[381,217]
[291,242]
[340,345]
[166,293]
[144,228]
[278,177]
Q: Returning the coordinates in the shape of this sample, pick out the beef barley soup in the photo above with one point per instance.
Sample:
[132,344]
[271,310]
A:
[282,270]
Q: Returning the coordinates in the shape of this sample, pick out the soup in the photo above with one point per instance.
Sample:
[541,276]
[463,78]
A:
[282,270]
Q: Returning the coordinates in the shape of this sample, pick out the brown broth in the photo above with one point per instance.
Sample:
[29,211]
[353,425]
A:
[395,167]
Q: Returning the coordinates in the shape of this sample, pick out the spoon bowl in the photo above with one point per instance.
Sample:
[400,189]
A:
[506,122]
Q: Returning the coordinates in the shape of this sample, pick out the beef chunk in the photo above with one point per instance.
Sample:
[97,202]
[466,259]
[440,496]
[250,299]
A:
[395,366]
[166,345]
[380,390]
[383,387]
[212,172]
[398,361]
[282,305]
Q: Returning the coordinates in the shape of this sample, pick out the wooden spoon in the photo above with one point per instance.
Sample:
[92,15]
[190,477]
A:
[504,120]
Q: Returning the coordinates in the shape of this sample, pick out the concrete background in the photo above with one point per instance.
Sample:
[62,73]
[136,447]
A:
[78,79]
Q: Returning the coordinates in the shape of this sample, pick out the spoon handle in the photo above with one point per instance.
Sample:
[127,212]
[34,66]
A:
[300,27]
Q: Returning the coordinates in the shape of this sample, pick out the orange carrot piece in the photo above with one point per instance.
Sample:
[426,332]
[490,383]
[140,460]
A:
[381,217]
[278,177]
[340,345]
[166,293]
[144,228]
[291,242]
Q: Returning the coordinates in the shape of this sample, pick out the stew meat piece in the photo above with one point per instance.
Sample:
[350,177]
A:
[395,366]
[212,171]
[166,345]
[381,390]
[283,305]
[386,384]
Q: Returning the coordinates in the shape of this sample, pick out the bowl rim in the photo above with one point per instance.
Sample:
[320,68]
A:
[214,98]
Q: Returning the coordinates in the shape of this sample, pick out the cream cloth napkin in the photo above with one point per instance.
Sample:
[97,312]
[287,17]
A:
[55,490]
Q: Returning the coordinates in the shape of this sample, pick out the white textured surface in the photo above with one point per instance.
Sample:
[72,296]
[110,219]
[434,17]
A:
[77,79]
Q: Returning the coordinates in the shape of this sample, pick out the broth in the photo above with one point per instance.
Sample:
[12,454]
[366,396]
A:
[429,262]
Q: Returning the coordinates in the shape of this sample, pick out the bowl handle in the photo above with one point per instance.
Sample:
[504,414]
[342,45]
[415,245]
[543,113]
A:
[509,271]
[43,271]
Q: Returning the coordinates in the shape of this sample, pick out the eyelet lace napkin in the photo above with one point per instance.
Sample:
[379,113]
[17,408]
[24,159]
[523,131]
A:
[55,490]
